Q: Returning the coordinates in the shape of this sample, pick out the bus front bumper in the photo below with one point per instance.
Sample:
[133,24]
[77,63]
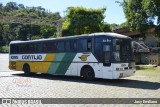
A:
[123,74]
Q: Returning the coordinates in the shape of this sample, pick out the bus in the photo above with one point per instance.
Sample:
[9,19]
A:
[97,55]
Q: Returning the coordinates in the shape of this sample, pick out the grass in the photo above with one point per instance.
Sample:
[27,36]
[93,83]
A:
[149,71]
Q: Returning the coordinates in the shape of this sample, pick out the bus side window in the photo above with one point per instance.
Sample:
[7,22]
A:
[37,48]
[84,45]
[44,47]
[89,45]
[27,48]
[49,46]
[73,45]
[60,46]
[68,46]
[16,49]
[33,48]
[53,47]
[21,48]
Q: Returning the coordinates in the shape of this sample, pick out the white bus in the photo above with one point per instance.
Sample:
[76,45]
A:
[97,55]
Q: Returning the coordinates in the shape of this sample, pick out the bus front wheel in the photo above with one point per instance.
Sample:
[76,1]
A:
[26,69]
[88,73]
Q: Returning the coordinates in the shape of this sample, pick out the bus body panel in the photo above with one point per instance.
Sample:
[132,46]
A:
[107,72]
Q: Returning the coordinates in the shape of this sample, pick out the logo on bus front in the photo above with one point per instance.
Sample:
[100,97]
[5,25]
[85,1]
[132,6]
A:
[84,57]
[123,65]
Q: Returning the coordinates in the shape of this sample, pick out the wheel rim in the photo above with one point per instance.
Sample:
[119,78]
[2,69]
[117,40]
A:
[89,74]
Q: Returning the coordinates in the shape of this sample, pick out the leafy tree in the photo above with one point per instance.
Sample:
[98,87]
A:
[47,31]
[10,6]
[21,6]
[81,20]
[142,14]
[106,27]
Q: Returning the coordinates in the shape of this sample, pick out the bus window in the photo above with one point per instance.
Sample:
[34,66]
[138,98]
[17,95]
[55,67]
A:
[34,48]
[122,50]
[84,45]
[21,48]
[73,45]
[17,49]
[67,46]
[27,48]
[49,47]
[89,45]
[60,46]
[44,47]
[37,47]
[52,47]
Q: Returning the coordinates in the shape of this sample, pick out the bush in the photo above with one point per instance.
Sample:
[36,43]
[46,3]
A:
[4,49]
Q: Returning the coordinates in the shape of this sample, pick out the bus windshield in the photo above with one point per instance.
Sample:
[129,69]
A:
[122,50]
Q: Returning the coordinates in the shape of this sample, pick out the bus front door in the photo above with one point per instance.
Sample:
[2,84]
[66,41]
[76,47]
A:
[106,55]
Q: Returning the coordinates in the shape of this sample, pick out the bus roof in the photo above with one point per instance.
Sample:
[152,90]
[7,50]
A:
[116,35]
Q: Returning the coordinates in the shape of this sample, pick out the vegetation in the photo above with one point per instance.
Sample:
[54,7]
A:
[20,31]
[81,20]
[4,48]
[142,14]
[149,71]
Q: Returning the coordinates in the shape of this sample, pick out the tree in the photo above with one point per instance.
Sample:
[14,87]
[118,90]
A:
[47,31]
[142,14]
[106,27]
[10,6]
[81,20]
[21,31]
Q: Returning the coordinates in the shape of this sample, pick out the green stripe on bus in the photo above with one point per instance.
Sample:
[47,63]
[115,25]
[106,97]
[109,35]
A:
[68,58]
[54,65]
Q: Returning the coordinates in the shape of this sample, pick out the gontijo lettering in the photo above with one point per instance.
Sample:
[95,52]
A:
[32,57]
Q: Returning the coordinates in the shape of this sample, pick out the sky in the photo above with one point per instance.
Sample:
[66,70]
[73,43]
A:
[114,12]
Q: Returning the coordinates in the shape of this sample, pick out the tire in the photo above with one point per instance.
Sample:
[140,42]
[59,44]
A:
[26,70]
[88,73]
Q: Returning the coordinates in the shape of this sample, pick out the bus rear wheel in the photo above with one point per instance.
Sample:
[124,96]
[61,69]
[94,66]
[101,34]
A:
[26,69]
[88,73]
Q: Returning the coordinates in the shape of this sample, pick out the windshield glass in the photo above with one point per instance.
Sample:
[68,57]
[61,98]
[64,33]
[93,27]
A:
[122,50]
